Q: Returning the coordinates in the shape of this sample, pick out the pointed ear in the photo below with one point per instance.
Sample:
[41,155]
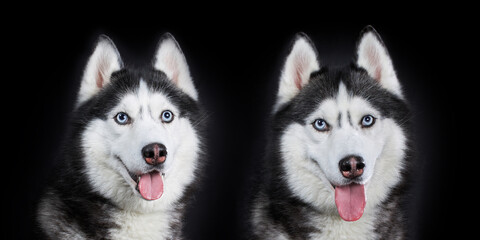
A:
[102,63]
[169,59]
[300,63]
[373,56]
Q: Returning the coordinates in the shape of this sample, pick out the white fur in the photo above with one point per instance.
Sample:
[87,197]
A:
[328,148]
[154,225]
[373,57]
[104,141]
[102,63]
[335,228]
[300,63]
[312,157]
[170,60]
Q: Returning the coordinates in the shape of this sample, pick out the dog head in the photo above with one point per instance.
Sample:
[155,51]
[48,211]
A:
[140,136]
[340,134]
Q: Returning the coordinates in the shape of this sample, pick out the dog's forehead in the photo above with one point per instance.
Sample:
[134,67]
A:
[145,97]
[342,103]
[357,85]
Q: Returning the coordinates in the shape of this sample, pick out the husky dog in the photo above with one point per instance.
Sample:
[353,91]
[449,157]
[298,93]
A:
[133,153]
[337,163]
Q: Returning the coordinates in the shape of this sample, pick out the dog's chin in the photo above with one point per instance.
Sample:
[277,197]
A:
[148,184]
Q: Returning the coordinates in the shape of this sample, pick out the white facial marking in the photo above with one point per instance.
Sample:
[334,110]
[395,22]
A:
[113,151]
[311,158]
[346,136]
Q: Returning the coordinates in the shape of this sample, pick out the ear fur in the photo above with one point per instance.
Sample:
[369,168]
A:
[372,55]
[169,59]
[300,63]
[104,60]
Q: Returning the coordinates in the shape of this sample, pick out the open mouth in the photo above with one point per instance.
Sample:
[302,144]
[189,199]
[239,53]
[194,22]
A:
[350,198]
[149,184]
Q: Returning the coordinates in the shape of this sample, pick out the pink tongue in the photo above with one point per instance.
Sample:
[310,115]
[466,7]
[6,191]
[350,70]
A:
[151,185]
[350,201]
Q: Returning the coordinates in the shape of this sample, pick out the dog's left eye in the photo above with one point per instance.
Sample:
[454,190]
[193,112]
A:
[122,118]
[167,116]
[367,121]
[321,125]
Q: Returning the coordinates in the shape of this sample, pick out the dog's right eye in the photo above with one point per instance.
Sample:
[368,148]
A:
[122,118]
[320,125]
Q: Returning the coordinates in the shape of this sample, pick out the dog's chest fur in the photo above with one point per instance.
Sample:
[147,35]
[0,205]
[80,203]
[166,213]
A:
[332,227]
[155,225]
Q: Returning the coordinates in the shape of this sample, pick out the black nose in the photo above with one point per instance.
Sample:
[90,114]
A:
[154,153]
[351,166]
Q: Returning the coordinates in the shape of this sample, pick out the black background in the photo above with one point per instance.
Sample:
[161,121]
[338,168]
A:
[235,61]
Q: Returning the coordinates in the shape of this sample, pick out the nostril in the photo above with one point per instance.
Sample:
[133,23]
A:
[162,152]
[148,153]
[345,165]
[360,165]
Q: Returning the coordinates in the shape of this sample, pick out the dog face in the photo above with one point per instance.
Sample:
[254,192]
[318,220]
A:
[343,129]
[342,140]
[142,143]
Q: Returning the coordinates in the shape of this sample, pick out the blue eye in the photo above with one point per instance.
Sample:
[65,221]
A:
[122,118]
[166,116]
[367,121]
[321,125]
